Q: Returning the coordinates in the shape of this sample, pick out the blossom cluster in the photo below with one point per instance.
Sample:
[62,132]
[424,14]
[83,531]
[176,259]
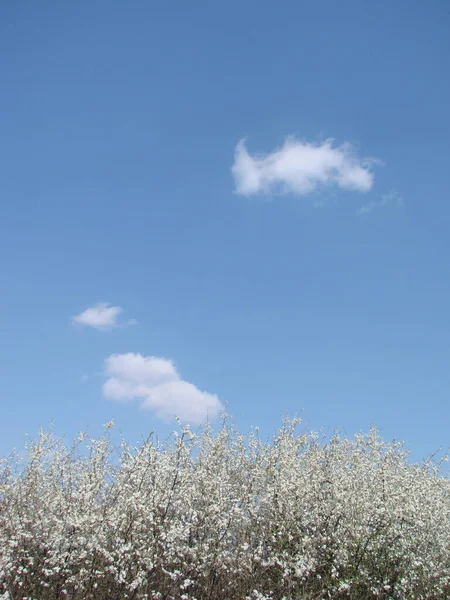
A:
[219,515]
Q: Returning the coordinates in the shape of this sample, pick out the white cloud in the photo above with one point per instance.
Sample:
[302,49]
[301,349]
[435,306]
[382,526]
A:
[156,383]
[392,198]
[101,316]
[300,167]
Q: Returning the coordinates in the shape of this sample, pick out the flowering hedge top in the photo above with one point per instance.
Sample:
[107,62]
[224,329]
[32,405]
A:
[223,516]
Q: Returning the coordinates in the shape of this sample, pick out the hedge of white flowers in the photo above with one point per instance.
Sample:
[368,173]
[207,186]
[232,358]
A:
[223,516]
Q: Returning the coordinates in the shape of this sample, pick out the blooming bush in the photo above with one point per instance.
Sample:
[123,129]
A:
[222,516]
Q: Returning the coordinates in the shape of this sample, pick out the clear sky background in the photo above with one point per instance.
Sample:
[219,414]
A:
[312,279]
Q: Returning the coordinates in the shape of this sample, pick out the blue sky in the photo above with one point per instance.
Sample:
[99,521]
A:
[311,278]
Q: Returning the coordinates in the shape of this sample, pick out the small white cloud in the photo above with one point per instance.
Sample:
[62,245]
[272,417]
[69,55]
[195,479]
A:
[392,198]
[101,316]
[300,167]
[156,383]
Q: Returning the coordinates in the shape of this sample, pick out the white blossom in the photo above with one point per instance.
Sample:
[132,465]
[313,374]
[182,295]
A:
[223,516]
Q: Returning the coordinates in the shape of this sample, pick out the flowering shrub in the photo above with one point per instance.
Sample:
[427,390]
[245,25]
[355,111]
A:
[222,516]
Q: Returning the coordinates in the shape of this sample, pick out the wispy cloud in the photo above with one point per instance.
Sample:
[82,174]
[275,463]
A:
[102,316]
[300,167]
[392,198]
[156,383]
